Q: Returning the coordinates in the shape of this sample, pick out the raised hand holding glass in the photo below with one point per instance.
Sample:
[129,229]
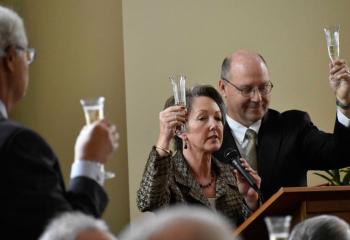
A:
[94,111]
[178,83]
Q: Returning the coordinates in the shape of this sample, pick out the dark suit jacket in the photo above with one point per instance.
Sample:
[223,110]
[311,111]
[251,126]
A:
[289,145]
[32,188]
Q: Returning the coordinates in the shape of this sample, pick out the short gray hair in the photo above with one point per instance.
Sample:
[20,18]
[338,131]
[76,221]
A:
[12,31]
[67,226]
[226,67]
[208,225]
[323,227]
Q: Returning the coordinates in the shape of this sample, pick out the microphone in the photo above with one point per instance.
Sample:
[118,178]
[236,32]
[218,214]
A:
[233,157]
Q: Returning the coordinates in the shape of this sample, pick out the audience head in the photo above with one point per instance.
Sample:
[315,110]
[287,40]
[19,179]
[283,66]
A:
[245,84]
[191,94]
[76,226]
[180,222]
[14,58]
[323,227]
[12,31]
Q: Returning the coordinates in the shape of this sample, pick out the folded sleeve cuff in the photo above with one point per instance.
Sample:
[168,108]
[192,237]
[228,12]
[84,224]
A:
[88,169]
[344,120]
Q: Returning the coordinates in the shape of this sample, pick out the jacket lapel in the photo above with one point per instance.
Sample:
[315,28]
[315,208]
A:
[224,177]
[269,143]
[184,177]
[2,117]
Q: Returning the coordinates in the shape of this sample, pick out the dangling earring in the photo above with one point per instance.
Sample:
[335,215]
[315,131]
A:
[185,147]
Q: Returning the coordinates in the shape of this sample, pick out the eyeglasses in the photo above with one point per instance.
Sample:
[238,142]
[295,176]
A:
[264,89]
[29,52]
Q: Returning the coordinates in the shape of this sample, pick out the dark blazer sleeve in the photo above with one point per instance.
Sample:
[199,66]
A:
[33,189]
[321,150]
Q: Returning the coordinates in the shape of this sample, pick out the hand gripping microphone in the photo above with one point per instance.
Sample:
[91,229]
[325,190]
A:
[233,157]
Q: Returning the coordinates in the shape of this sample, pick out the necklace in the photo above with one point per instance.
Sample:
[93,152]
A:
[208,184]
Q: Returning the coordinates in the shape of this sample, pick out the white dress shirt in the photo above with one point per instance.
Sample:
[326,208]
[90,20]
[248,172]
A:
[3,109]
[90,169]
[238,130]
[343,119]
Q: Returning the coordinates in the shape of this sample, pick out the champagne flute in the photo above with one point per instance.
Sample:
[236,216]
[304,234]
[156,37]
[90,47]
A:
[93,111]
[178,83]
[332,39]
[278,227]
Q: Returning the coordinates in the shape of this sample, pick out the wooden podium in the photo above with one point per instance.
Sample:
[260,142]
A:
[300,203]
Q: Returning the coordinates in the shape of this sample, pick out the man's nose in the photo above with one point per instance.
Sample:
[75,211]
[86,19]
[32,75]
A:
[255,95]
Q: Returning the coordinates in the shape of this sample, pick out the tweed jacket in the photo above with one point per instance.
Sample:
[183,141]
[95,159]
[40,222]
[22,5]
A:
[168,180]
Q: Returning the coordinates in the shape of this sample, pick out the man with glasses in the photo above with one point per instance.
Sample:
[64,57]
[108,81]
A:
[285,145]
[31,182]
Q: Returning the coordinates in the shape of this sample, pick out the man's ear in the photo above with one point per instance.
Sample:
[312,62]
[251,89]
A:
[10,59]
[222,87]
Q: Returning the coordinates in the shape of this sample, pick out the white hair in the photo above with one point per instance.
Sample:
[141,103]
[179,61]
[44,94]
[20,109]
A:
[211,226]
[67,226]
[12,31]
[322,227]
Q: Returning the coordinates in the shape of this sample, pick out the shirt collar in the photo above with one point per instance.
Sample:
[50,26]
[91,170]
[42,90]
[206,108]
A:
[238,130]
[3,111]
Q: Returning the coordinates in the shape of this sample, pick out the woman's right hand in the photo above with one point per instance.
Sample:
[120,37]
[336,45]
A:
[169,119]
[250,195]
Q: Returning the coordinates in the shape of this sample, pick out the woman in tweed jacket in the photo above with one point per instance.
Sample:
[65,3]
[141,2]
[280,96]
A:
[192,175]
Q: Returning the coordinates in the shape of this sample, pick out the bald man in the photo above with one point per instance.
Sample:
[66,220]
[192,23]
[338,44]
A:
[287,143]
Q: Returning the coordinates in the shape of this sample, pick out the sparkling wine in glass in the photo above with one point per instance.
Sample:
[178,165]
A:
[94,110]
[332,39]
[178,83]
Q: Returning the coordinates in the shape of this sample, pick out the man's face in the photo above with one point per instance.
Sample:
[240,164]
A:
[19,74]
[249,73]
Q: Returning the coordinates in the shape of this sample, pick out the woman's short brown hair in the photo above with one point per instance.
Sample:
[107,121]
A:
[198,91]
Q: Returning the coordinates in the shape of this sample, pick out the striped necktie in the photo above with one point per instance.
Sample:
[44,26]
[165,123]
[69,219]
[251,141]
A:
[251,148]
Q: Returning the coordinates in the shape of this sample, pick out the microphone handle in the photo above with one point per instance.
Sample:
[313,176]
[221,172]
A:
[245,174]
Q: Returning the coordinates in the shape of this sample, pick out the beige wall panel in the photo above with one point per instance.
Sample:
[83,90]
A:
[192,37]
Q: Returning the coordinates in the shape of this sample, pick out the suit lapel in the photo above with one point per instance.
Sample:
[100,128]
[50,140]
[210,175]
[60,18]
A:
[227,144]
[229,141]
[2,117]
[269,143]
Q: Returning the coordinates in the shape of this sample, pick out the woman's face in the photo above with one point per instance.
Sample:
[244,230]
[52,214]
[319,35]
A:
[204,126]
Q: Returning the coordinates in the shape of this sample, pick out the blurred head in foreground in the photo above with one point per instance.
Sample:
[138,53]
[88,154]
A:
[180,222]
[323,227]
[76,226]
